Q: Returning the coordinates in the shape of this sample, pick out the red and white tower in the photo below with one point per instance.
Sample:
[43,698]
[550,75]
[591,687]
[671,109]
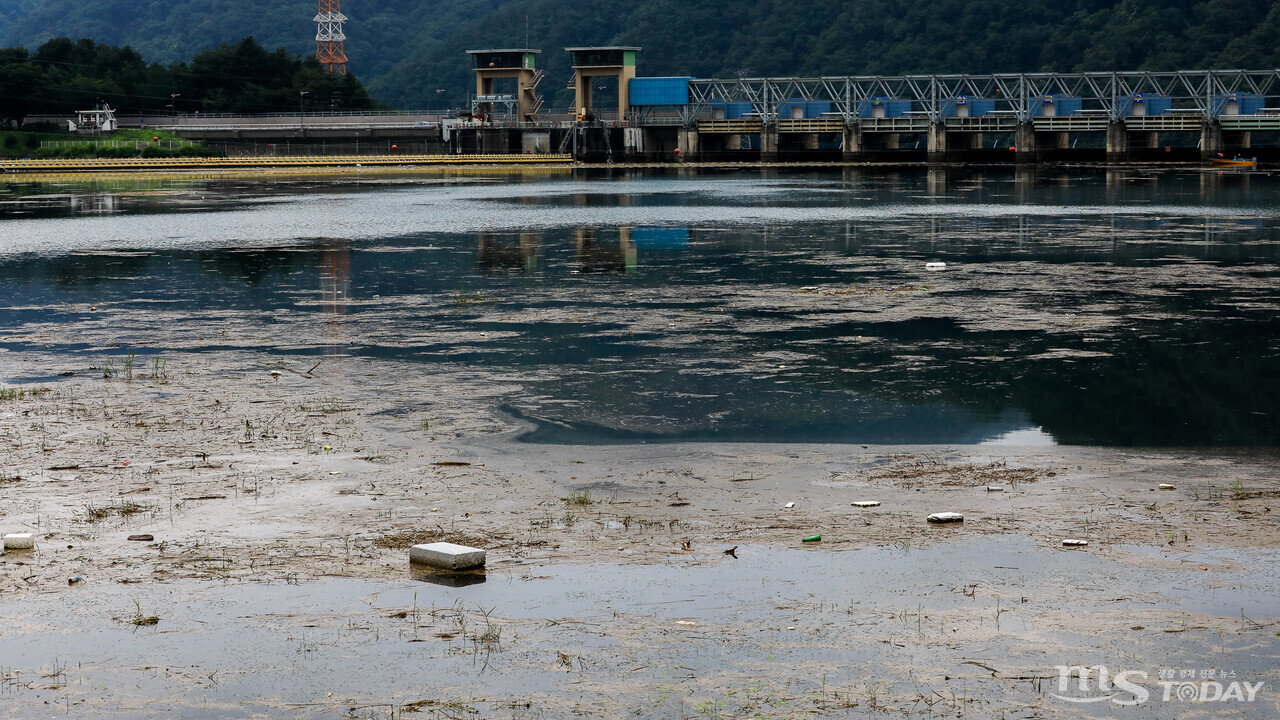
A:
[330,38]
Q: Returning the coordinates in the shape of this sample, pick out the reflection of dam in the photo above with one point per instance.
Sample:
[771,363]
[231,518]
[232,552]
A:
[600,255]
[335,285]
[498,256]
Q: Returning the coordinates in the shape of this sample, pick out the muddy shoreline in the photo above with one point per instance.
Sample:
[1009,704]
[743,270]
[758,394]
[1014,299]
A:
[252,471]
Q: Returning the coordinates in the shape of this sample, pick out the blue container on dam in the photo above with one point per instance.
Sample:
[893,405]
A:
[1142,104]
[878,107]
[801,109]
[1055,105]
[659,91]
[963,106]
[722,110]
[1238,104]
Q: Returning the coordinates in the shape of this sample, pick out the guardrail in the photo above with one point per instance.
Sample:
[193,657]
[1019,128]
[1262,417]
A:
[99,164]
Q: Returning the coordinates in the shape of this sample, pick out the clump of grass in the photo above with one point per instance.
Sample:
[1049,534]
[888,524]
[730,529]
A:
[128,364]
[463,297]
[125,508]
[23,393]
[579,497]
[407,539]
[141,619]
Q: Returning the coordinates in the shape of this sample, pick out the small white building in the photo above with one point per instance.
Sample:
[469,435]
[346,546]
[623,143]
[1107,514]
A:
[99,119]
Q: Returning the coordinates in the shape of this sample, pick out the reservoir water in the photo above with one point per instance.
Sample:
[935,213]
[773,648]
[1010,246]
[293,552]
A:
[1076,306]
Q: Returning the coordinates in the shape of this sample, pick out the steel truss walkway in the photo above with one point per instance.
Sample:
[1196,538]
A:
[1109,95]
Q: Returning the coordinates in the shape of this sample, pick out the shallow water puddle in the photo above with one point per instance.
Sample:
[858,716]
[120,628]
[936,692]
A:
[798,630]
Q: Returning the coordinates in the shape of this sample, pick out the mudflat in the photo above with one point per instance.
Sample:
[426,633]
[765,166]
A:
[281,497]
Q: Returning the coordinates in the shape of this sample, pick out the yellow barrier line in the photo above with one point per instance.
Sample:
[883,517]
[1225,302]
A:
[277,161]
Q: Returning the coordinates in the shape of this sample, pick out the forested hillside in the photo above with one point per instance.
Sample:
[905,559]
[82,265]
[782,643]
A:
[407,50]
[62,76]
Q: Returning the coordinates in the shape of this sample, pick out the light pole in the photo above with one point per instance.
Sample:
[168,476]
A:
[302,115]
[173,103]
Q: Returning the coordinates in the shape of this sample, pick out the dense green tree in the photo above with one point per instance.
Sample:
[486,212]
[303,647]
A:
[62,76]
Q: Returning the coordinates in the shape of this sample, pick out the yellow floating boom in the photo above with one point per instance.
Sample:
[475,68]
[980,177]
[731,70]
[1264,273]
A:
[249,161]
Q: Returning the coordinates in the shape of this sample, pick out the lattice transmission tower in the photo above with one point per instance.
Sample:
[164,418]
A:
[330,38]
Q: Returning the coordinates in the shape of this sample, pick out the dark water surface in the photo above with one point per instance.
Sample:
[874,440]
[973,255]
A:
[1134,308]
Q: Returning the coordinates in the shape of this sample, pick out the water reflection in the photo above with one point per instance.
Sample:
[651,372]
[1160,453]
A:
[1123,327]
[499,254]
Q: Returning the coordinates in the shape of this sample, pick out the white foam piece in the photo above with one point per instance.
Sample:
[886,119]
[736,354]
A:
[19,541]
[1073,542]
[447,556]
[789,505]
[935,266]
[946,517]
[1167,486]
[866,503]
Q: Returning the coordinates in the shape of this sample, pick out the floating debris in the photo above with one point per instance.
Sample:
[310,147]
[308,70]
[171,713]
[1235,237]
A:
[447,556]
[19,541]
[866,503]
[946,517]
[1073,542]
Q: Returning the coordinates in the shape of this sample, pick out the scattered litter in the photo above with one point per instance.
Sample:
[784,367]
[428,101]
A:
[447,556]
[733,552]
[326,447]
[276,374]
[813,538]
[335,472]
[1073,542]
[946,517]
[935,266]
[994,488]
[1167,486]
[866,503]
[142,538]
[686,622]
[789,505]
[809,288]
[19,541]
[452,463]
[73,579]
[435,509]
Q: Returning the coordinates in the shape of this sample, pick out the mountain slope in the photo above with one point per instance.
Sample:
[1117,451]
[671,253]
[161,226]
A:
[407,50]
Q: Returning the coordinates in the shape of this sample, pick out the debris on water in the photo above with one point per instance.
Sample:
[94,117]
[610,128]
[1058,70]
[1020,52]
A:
[789,505]
[1073,542]
[866,503]
[19,541]
[1167,486]
[935,266]
[447,556]
[142,538]
[813,538]
[946,517]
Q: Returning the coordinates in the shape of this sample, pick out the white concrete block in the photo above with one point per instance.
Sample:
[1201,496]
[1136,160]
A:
[946,517]
[447,556]
[19,541]
[866,503]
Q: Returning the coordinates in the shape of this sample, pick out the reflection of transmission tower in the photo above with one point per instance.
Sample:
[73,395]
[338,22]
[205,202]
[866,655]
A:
[329,37]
